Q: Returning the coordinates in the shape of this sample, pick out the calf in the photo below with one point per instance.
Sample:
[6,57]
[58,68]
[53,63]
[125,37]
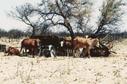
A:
[12,51]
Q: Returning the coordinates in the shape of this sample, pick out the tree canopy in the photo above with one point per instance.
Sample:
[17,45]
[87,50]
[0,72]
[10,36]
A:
[70,14]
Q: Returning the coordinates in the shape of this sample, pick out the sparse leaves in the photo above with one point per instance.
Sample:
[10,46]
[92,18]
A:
[111,14]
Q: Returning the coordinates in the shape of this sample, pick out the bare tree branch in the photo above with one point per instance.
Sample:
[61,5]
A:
[111,14]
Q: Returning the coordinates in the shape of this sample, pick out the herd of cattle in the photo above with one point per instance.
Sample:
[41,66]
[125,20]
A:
[61,46]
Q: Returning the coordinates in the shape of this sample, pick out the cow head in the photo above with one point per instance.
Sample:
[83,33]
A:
[95,42]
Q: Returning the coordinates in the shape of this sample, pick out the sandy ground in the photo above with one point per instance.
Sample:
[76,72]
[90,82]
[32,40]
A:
[65,70]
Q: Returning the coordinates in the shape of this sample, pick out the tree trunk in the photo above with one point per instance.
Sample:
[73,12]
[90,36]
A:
[100,27]
[98,30]
[33,31]
[66,22]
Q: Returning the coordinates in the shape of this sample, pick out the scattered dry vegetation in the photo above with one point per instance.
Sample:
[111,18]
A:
[65,70]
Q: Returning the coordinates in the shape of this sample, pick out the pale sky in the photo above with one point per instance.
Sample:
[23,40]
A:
[7,22]
[10,23]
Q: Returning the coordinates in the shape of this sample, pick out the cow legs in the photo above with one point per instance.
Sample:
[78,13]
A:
[87,51]
[82,52]
[40,51]
[21,49]
[33,55]
[24,51]
[32,52]
[75,52]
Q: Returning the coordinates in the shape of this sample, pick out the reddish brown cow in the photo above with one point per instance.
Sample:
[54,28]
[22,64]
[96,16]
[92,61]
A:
[31,45]
[12,51]
[87,43]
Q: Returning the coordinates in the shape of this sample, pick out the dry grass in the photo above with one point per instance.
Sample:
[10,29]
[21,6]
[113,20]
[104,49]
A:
[65,70]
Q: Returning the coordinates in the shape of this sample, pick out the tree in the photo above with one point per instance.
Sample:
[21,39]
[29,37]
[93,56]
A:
[3,33]
[71,14]
[25,14]
[62,12]
[111,14]
[14,33]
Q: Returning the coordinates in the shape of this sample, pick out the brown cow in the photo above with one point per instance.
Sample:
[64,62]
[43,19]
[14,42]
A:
[31,45]
[12,51]
[87,43]
[46,40]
